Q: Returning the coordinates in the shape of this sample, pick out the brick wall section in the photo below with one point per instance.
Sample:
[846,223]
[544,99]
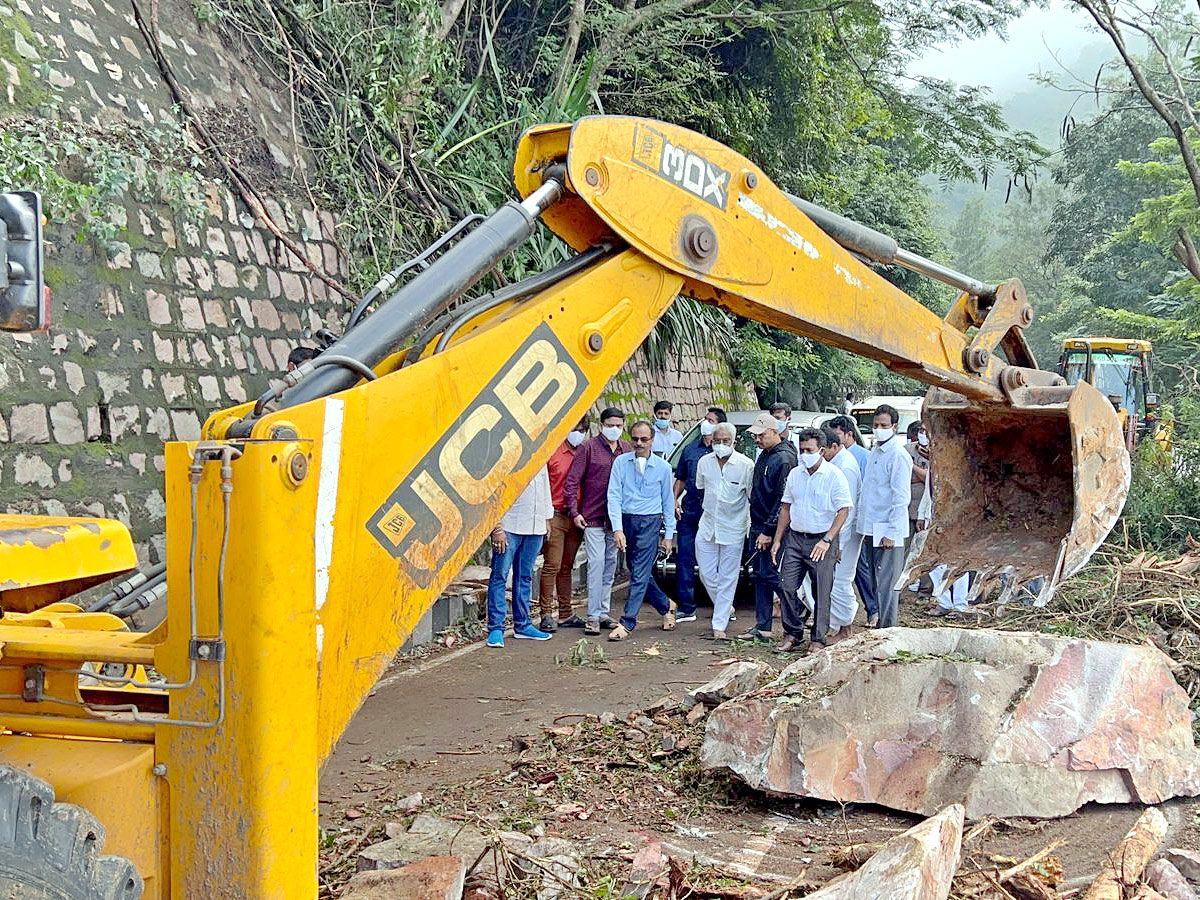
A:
[180,317]
[693,385]
[150,340]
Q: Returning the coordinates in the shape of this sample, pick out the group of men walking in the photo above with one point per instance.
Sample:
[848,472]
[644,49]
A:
[812,517]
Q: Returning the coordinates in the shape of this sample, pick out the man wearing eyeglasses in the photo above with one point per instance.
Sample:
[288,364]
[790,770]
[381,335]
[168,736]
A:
[640,504]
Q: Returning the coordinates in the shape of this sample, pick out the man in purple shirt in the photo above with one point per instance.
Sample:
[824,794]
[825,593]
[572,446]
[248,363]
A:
[587,504]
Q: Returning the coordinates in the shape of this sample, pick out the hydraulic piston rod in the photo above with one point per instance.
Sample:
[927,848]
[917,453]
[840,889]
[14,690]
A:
[880,248]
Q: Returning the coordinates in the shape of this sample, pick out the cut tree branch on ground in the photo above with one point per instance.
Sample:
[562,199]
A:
[1130,858]
[236,179]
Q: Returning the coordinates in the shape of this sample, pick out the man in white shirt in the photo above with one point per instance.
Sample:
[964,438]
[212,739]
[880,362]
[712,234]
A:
[816,504]
[883,512]
[666,437]
[516,543]
[843,605]
[725,476]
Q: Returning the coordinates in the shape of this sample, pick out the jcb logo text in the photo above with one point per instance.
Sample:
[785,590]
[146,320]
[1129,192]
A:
[450,490]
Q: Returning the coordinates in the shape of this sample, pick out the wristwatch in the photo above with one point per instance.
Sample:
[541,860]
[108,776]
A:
[827,539]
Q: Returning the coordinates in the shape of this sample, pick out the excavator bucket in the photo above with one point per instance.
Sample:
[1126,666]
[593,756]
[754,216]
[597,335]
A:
[1030,490]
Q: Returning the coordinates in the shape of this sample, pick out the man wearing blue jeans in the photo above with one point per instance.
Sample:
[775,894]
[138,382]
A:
[640,503]
[516,543]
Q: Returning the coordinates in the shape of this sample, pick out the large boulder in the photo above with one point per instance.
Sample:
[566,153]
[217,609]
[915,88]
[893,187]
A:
[916,865]
[1006,723]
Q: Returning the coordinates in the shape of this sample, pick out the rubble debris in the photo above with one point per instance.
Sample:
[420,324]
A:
[735,679]
[1186,861]
[411,803]
[916,719]
[664,704]
[916,865]
[1036,878]
[547,868]
[1169,881]
[428,835]
[1124,869]
[432,878]
[648,865]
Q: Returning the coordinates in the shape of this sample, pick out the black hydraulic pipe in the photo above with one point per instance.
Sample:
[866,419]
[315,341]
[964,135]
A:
[126,587]
[531,285]
[428,293]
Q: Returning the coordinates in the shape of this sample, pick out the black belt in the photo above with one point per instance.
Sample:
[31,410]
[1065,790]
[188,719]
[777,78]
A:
[812,535]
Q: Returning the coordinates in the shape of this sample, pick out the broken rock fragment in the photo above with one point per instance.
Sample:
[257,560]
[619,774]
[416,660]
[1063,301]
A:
[428,835]
[1007,723]
[916,865]
[1168,881]
[1186,861]
[433,878]
[734,680]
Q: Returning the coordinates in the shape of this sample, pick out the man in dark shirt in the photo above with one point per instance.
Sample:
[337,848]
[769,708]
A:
[771,469]
[586,491]
[688,511]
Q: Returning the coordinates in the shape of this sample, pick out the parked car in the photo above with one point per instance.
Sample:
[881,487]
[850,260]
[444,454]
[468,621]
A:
[741,419]
[863,413]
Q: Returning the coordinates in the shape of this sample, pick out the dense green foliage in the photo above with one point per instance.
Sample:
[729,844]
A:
[416,108]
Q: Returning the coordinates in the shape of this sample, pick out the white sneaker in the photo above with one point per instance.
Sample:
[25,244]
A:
[690,617]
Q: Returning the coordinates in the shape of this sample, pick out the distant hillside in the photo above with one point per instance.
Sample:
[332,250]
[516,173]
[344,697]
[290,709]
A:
[1028,105]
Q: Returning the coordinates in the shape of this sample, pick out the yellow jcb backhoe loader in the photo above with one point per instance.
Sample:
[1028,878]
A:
[308,532]
[1119,368]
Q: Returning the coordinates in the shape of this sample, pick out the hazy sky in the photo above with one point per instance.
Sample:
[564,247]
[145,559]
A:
[998,62]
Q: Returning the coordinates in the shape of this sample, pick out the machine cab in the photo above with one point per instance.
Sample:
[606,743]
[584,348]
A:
[1120,369]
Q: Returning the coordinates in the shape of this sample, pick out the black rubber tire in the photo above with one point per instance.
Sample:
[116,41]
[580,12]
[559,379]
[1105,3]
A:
[51,851]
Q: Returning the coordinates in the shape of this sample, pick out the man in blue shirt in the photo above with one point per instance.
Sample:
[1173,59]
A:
[689,509]
[639,505]
[666,438]
[844,426]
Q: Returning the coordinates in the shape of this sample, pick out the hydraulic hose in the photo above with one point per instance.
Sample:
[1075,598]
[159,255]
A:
[392,278]
[427,294]
[131,586]
[450,322]
[141,599]
[303,370]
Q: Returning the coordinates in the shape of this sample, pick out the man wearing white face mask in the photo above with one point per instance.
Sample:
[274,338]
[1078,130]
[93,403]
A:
[843,605]
[918,449]
[563,538]
[689,505]
[883,512]
[783,416]
[816,504]
[725,476]
[666,438]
